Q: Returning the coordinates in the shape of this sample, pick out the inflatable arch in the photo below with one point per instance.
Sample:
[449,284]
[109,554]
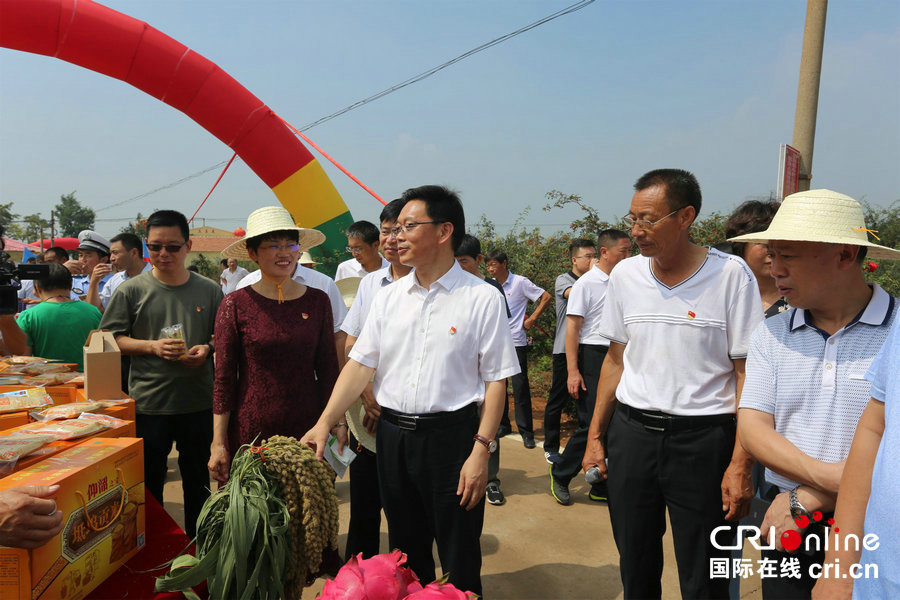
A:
[98,38]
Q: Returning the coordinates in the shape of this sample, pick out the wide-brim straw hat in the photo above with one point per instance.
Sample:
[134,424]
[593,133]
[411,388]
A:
[821,216]
[307,259]
[266,220]
[348,287]
[355,416]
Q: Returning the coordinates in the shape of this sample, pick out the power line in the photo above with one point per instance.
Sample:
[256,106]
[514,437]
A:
[414,79]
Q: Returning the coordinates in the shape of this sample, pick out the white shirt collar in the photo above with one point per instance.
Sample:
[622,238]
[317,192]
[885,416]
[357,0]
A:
[877,311]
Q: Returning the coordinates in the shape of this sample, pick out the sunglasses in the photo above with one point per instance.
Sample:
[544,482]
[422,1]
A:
[170,248]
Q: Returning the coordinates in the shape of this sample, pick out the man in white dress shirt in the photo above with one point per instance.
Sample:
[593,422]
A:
[232,275]
[363,243]
[126,254]
[438,343]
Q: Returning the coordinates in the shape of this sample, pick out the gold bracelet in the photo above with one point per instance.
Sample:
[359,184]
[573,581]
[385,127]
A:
[339,425]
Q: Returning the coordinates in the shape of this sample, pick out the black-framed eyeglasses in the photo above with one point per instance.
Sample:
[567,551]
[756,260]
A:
[395,231]
[170,248]
[644,223]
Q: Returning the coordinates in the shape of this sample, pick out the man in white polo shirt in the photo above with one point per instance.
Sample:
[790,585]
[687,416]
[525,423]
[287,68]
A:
[438,343]
[519,291]
[805,389]
[585,351]
[679,319]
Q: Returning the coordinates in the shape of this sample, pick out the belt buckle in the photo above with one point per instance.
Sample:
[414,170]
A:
[408,423]
[664,423]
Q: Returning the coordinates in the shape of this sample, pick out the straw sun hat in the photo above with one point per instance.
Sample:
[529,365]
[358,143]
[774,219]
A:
[266,220]
[821,216]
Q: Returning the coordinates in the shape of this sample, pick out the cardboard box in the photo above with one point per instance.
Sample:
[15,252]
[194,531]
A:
[101,497]
[53,449]
[102,365]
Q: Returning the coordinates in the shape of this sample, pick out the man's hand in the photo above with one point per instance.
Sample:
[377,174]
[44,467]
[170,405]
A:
[342,434]
[528,323]
[595,456]
[168,349]
[316,438]
[779,517]
[737,490]
[219,463]
[99,272]
[30,301]
[575,384]
[28,517]
[74,266]
[473,478]
[196,356]
[373,410]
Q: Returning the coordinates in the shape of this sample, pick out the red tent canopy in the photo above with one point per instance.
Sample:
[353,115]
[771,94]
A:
[69,243]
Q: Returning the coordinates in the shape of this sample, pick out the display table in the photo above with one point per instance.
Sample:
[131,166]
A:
[165,541]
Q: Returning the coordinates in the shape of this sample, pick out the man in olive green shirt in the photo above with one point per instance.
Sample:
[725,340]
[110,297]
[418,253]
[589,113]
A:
[171,380]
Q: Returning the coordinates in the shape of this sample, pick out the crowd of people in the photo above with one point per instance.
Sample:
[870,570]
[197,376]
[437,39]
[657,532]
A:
[703,377]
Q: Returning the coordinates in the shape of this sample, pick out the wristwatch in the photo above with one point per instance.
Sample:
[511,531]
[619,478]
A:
[491,445]
[797,509]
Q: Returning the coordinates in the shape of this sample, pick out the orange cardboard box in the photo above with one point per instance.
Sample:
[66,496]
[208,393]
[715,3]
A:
[101,497]
[52,449]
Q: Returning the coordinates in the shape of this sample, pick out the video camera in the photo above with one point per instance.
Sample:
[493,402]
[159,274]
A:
[11,277]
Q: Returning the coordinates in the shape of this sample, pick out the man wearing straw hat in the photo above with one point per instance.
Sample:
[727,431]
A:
[805,391]
[309,238]
[439,346]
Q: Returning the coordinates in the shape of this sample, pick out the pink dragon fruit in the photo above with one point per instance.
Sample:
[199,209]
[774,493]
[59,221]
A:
[382,577]
[441,591]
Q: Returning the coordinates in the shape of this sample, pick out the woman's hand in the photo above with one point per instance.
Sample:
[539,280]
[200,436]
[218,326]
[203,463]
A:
[219,462]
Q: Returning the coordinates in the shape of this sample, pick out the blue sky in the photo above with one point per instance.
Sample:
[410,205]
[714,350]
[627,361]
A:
[584,104]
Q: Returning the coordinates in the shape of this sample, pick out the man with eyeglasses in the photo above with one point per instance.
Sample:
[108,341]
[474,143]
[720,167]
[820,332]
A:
[439,346]
[582,253]
[171,380]
[362,243]
[679,319]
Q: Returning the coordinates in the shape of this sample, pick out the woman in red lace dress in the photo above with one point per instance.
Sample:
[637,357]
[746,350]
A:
[276,362]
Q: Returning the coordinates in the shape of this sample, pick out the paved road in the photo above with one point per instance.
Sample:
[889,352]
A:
[534,549]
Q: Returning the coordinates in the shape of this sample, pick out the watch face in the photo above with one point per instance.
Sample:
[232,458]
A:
[493,447]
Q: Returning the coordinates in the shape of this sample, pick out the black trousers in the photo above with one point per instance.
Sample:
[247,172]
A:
[590,361]
[556,400]
[192,435]
[364,532]
[790,588]
[521,396]
[651,471]
[418,472]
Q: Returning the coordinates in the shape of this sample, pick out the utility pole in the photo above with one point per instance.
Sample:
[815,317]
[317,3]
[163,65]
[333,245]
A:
[808,88]
[52,228]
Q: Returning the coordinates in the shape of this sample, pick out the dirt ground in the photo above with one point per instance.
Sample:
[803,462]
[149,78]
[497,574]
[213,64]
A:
[533,548]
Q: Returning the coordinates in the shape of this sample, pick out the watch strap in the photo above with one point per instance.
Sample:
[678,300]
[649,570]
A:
[484,442]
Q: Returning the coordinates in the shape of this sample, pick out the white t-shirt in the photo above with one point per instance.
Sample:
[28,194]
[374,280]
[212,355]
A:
[433,349]
[519,290]
[232,279]
[680,341]
[320,281]
[354,268]
[115,281]
[359,311]
[586,300]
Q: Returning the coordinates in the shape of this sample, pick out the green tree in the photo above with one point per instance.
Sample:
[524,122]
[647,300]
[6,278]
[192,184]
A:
[206,267]
[138,227]
[32,225]
[7,218]
[72,216]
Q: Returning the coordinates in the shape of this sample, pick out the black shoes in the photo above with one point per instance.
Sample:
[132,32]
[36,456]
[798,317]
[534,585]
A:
[528,440]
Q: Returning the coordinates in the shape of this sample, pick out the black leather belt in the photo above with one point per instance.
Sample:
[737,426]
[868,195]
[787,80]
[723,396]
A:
[427,421]
[653,420]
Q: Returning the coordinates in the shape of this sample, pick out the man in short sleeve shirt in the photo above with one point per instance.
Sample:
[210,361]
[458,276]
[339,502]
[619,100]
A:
[805,388]
[519,291]
[439,347]
[679,319]
[582,253]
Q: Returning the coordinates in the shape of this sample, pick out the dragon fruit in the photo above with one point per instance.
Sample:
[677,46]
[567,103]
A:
[382,577]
